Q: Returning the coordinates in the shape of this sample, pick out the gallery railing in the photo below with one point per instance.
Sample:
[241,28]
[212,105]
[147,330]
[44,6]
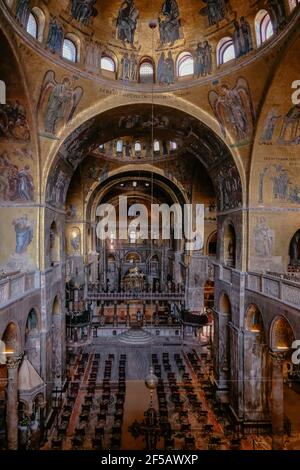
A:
[281,287]
[171,296]
[15,286]
[275,287]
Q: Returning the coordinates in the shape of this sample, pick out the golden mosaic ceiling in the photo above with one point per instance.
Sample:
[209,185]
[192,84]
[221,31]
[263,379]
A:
[122,25]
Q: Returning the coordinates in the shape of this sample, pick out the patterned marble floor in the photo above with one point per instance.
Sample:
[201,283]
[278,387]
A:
[137,398]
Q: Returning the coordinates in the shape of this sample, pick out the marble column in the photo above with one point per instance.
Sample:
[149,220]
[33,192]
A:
[277,403]
[13,363]
[115,318]
[127,314]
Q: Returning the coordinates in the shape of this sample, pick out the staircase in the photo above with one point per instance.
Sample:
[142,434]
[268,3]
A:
[135,336]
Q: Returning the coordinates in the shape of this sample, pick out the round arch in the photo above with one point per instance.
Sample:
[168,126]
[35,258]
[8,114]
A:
[211,244]
[133,257]
[253,319]
[56,306]
[224,304]
[12,338]
[187,109]
[281,334]
[173,188]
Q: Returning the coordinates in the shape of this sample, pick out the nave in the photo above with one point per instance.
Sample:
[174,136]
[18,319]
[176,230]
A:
[106,402]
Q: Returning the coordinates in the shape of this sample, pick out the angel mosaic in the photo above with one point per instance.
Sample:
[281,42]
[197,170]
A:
[233,109]
[61,100]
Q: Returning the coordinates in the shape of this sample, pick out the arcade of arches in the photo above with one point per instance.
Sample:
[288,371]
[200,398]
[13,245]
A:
[164,102]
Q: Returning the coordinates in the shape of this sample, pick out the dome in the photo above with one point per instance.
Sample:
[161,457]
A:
[168,43]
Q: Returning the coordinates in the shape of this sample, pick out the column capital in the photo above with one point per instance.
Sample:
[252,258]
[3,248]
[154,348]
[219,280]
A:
[14,361]
[277,356]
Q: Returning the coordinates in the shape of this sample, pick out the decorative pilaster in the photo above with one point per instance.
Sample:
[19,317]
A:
[13,363]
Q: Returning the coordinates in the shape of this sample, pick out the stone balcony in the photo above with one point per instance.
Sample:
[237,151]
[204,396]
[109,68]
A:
[276,286]
[14,287]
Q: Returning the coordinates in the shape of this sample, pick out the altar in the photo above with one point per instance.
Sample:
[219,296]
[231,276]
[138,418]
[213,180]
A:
[134,280]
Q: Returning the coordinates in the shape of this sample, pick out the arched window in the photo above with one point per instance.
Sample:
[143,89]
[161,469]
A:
[225,50]
[173,145]
[185,64]
[263,27]
[156,146]
[32,26]
[69,50]
[138,147]
[120,146]
[146,71]
[2,92]
[107,63]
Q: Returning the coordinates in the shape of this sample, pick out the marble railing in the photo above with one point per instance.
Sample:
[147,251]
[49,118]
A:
[276,287]
[14,287]
[136,295]
[223,273]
